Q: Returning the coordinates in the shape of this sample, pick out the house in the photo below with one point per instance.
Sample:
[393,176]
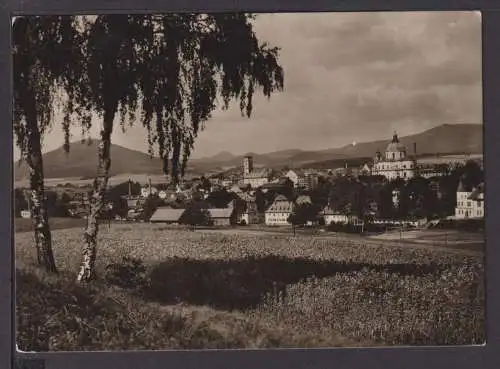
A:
[432,170]
[279,211]
[332,216]
[365,170]
[470,202]
[214,181]
[278,184]
[293,175]
[227,183]
[167,215]
[235,189]
[222,217]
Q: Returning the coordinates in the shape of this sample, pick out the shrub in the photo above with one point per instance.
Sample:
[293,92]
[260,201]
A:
[129,274]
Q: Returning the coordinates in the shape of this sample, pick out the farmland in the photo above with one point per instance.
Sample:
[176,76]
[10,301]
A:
[209,290]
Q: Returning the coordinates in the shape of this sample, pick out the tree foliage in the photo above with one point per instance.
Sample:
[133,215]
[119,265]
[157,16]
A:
[195,216]
[173,70]
[47,59]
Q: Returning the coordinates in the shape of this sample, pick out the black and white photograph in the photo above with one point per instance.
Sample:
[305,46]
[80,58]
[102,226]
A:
[191,181]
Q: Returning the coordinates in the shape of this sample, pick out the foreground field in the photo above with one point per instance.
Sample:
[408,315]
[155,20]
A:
[182,289]
[26,225]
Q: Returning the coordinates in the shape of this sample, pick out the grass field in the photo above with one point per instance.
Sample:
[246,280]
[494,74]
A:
[183,289]
[25,225]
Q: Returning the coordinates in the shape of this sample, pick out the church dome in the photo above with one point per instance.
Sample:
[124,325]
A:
[395,145]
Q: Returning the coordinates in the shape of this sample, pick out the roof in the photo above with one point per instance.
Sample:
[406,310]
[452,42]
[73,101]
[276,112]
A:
[221,213]
[477,192]
[329,211]
[167,215]
[302,199]
[395,145]
[245,196]
[298,172]
[259,173]
[280,205]
[235,189]
[462,187]
[280,198]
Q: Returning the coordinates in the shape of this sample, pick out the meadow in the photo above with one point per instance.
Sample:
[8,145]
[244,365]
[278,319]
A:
[162,288]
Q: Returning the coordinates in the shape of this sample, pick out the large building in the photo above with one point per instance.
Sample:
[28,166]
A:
[279,211]
[470,202]
[254,178]
[395,163]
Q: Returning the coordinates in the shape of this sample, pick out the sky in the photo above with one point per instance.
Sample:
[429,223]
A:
[349,77]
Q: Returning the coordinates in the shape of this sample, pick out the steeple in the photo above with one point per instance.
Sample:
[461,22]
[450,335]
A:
[395,138]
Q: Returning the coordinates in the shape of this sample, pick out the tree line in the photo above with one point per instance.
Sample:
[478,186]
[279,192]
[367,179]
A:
[168,72]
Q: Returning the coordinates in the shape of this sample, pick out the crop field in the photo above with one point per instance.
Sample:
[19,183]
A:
[162,288]
[25,225]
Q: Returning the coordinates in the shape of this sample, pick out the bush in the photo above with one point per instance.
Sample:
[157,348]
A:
[129,274]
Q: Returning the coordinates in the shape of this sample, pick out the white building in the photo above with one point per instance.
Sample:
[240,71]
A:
[293,176]
[279,211]
[470,202]
[395,163]
[302,179]
[331,216]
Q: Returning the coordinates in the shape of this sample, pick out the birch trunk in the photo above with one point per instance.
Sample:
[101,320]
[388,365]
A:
[87,267]
[39,216]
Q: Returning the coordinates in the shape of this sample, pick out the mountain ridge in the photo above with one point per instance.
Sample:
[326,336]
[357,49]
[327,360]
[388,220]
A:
[81,161]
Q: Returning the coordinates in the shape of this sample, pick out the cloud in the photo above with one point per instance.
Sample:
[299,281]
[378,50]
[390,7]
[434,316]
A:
[351,77]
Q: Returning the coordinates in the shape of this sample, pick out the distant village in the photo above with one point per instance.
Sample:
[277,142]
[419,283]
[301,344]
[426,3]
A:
[395,188]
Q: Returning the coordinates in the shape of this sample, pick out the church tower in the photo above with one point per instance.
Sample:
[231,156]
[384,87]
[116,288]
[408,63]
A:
[247,165]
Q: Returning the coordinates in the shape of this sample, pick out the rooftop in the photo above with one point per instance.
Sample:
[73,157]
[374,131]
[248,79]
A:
[258,173]
[221,213]
[167,215]
[395,145]
[477,193]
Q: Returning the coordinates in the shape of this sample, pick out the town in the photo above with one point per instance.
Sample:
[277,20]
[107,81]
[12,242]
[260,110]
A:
[396,189]
[248,181]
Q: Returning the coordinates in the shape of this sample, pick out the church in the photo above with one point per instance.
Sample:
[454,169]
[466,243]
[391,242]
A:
[395,163]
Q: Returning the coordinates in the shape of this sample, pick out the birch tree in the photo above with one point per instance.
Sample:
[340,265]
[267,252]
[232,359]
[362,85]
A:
[174,70]
[46,51]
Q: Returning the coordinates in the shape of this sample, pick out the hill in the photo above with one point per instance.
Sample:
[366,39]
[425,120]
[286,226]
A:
[81,162]
[82,159]
[444,139]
